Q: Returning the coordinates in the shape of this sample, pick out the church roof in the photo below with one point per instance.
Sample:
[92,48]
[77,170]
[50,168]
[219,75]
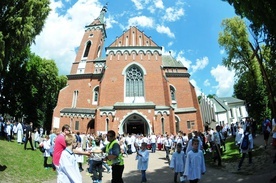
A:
[231,100]
[100,59]
[169,61]
[78,110]
[220,105]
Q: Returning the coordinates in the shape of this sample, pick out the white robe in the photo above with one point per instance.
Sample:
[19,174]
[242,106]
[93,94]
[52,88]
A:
[194,165]
[47,146]
[178,161]
[19,133]
[68,170]
[143,160]
[133,139]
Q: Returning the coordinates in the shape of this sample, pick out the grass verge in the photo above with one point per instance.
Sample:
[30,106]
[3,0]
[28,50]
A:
[232,154]
[19,165]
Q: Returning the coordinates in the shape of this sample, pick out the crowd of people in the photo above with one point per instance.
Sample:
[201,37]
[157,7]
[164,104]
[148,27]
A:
[185,152]
[21,132]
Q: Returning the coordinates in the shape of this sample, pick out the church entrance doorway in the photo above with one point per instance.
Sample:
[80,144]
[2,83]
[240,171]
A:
[136,124]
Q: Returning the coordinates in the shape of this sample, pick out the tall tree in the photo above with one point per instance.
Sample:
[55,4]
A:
[31,89]
[20,22]
[242,56]
[42,88]
[254,94]
[262,16]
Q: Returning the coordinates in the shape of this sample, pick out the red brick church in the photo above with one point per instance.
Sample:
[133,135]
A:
[133,89]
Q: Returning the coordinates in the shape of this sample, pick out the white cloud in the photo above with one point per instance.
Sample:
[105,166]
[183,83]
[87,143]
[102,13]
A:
[138,4]
[200,64]
[225,79]
[141,4]
[62,33]
[141,21]
[207,82]
[198,91]
[170,43]
[164,30]
[222,51]
[151,9]
[184,61]
[169,52]
[173,14]
[178,56]
[109,22]
[159,4]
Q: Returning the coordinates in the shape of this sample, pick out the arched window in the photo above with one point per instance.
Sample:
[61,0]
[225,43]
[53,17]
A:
[172,90]
[134,82]
[88,45]
[95,95]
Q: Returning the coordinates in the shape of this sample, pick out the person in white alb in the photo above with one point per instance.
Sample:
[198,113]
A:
[143,161]
[167,145]
[195,163]
[68,166]
[19,133]
[153,140]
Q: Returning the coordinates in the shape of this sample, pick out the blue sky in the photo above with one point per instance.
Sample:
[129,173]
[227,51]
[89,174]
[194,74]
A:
[187,28]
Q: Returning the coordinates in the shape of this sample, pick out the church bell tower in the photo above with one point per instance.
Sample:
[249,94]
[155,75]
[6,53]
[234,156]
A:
[91,45]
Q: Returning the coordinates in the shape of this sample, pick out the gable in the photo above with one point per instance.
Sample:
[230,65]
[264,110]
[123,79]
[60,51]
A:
[133,37]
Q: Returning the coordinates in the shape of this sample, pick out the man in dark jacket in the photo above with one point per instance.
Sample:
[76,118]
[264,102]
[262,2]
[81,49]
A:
[29,130]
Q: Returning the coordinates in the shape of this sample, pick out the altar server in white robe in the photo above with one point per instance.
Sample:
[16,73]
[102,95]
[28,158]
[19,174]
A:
[178,163]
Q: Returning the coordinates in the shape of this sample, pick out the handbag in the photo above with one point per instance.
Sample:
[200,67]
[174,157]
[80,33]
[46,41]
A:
[24,139]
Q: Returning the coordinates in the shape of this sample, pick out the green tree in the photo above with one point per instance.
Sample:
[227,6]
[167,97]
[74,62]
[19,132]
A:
[246,60]
[262,17]
[254,95]
[42,88]
[13,86]
[32,88]
[20,22]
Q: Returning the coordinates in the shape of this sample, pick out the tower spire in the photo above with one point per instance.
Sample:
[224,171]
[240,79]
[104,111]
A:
[103,11]
[100,18]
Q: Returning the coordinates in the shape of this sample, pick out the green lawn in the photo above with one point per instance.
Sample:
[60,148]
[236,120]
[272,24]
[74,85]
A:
[231,154]
[22,165]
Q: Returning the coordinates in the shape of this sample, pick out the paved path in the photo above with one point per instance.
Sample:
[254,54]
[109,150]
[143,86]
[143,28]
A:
[159,172]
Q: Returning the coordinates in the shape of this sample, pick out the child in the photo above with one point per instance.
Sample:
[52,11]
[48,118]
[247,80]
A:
[79,157]
[178,163]
[143,160]
[96,161]
[36,138]
[8,131]
[195,163]
[246,148]
[68,168]
[46,154]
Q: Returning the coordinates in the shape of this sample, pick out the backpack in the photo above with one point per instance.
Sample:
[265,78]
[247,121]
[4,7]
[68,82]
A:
[41,147]
[245,142]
